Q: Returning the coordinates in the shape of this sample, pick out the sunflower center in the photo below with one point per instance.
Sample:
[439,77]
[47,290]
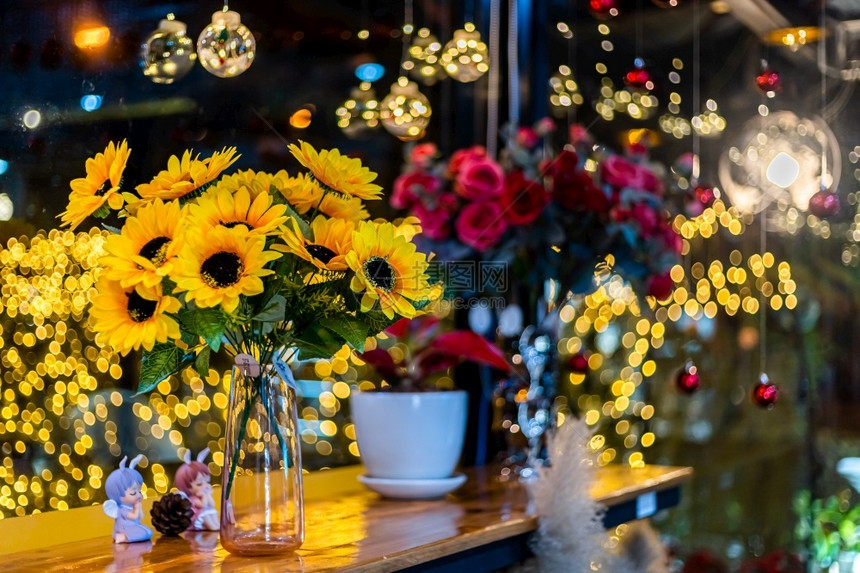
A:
[105,187]
[321,253]
[156,250]
[222,269]
[380,273]
[232,224]
[139,308]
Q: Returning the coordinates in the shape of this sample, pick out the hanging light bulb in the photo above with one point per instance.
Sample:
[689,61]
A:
[405,111]
[465,56]
[167,53]
[424,64]
[360,113]
[226,47]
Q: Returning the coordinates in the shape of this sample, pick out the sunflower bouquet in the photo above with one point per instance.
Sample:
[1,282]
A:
[268,265]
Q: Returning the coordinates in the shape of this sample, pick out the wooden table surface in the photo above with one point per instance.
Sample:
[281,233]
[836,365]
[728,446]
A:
[356,530]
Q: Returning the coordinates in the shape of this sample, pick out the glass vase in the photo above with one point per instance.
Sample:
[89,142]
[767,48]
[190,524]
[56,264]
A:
[261,496]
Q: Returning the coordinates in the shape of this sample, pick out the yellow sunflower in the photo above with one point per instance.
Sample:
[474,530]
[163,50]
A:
[255,181]
[336,172]
[222,207]
[146,249]
[184,178]
[128,318]
[388,270]
[101,185]
[305,195]
[217,265]
[330,241]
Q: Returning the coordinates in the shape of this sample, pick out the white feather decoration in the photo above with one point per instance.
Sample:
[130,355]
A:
[570,534]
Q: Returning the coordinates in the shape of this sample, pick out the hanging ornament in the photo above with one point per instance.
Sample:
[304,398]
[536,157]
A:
[603,9]
[824,204]
[226,47]
[424,63]
[639,78]
[465,56]
[704,194]
[405,111]
[360,113]
[765,393]
[167,53]
[578,363]
[666,3]
[687,379]
[768,81]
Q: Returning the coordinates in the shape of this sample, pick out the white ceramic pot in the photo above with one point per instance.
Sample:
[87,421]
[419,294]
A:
[410,435]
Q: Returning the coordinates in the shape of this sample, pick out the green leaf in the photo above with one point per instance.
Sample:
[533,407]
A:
[157,364]
[317,342]
[102,212]
[208,323]
[350,328]
[201,363]
[111,228]
[303,225]
[274,311]
[167,286]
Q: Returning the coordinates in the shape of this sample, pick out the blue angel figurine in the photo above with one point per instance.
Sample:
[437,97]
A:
[123,504]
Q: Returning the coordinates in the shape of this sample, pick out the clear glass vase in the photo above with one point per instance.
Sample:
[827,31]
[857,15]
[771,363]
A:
[261,497]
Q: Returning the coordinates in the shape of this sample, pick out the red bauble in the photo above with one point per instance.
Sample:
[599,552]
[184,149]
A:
[768,81]
[705,195]
[638,79]
[824,204]
[578,363]
[765,393]
[661,286]
[603,9]
[687,380]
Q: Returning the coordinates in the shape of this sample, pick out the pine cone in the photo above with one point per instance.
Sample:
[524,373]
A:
[172,514]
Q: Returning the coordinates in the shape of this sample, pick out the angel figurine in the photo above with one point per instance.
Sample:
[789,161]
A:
[123,504]
[192,479]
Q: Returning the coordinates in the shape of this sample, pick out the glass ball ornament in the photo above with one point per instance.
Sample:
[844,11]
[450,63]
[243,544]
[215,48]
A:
[768,81]
[465,57]
[359,114]
[603,9]
[226,47]
[578,363]
[765,393]
[824,204]
[425,64]
[167,54]
[405,111]
[687,380]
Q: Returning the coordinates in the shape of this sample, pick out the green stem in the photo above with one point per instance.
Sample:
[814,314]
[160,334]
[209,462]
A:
[242,427]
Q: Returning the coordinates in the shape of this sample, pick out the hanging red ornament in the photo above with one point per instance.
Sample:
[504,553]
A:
[578,363]
[824,204]
[765,393]
[666,3]
[687,380]
[768,80]
[639,78]
[603,9]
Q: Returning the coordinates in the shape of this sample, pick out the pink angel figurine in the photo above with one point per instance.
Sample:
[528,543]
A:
[123,504]
[192,479]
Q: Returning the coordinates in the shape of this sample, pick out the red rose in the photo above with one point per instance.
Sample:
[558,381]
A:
[573,188]
[480,225]
[620,173]
[671,238]
[661,286]
[409,187]
[422,154]
[480,179]
[527,137]
[435,216]
[646,217]
[523,200]
[464,156]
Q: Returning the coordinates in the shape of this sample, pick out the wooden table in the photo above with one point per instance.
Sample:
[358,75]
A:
[481,527]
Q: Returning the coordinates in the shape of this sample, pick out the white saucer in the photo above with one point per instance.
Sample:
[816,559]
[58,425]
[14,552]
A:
[413,488]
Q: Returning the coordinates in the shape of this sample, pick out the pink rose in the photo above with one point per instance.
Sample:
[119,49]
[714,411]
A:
[436,216]
[545,126]
[464,156]
[410,187]
[620,173]
[580,136]
[480,180]
[422,155]
[480,225]
[527,137]
[646,217]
